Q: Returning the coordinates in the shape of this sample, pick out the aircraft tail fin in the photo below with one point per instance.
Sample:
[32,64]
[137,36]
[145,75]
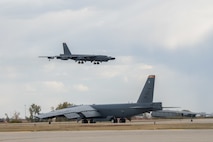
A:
[66,49]
[146,95]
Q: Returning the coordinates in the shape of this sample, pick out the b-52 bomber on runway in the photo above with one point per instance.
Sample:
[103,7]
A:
[110,112]
[80,58]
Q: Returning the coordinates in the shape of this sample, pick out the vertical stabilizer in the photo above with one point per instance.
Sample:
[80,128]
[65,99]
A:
[146,95]
[66,49]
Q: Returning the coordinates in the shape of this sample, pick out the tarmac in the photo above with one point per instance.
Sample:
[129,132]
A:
[203,135]
[100,133]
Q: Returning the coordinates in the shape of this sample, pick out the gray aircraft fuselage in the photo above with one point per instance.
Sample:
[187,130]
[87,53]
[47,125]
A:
[85,57]
[126,110]
[111,112]
[80,58]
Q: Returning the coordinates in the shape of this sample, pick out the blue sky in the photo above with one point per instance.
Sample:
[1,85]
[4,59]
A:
[171,39]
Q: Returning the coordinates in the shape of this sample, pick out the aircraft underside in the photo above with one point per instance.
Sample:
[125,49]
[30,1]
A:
[113,120]
[94,62]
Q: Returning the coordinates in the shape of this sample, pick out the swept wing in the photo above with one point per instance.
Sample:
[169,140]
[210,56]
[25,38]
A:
[84,111]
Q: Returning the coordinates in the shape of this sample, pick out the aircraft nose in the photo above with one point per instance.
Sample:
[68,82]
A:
[112,58]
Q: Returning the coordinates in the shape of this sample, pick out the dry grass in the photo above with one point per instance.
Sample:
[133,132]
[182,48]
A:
[73,126]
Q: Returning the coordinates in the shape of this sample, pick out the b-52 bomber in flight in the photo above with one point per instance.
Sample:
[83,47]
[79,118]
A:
[110,112]
[80,58]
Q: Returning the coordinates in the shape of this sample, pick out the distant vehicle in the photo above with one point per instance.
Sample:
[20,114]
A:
[80,58]
[111,112]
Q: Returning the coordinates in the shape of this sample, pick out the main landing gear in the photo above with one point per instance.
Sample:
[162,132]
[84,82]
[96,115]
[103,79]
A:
[80,62]
[96,63]
[115,120]
[122,120]
[85,121]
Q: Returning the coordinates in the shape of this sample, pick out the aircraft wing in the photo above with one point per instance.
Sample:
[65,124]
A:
[83,111]
[48,57]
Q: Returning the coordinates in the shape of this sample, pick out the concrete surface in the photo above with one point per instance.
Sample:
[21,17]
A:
[110,135]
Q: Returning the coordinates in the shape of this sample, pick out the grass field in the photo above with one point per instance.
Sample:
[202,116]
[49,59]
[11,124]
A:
[134,125]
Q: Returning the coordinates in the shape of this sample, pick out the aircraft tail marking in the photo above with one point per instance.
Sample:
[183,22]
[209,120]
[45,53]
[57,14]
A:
[146,95]
[66,49]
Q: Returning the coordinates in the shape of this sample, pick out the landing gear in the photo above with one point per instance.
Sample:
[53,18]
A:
[84,121]
[92,121]
[114,120]
[80,62]
[50,121]
[96,63]
[122,120]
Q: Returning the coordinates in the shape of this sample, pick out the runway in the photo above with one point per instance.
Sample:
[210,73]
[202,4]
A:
[110,135]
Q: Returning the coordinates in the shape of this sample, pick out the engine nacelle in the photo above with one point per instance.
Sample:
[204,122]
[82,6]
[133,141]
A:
[50,58]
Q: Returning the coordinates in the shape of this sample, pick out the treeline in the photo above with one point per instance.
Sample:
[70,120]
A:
[33,111]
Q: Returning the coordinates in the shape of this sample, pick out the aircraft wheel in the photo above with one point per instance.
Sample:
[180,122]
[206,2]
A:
[114,120]
[92,121]
[84,121]
[122,120]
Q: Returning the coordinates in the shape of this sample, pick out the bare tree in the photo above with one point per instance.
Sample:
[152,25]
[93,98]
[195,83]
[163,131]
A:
[16,118]
[16,115]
